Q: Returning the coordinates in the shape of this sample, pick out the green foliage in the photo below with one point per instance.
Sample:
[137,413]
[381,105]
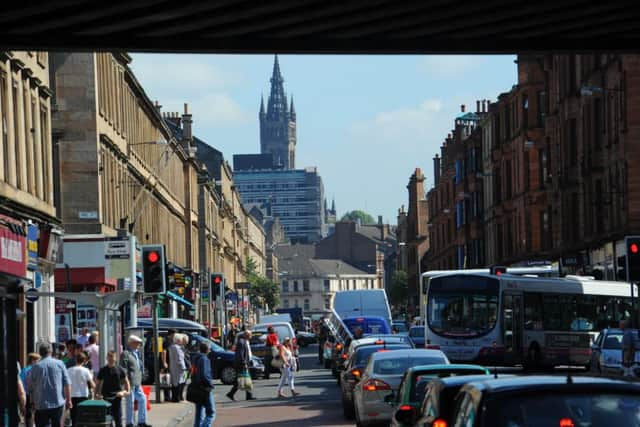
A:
[399,291]
[262,290]
[365,218]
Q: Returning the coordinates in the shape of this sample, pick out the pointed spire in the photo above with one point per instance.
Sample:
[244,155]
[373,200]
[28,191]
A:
[261,104]
[292,110]
[277,102]
[276,70]
[333,205]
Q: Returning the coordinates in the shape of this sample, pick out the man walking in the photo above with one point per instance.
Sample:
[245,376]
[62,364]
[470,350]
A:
[202,377]
[272,345]
[131,362]
[241,362]
[50,388]
[112,385]
[628,348]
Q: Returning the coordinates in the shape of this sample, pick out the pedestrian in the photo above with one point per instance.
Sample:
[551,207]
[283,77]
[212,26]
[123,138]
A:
[69,357]
[131,362]
[628,349]
[202,378]
[81,384]
[50,388]
[272,344]
[177,367]
[32,359]
[289,367]
[322,338]
[241,361]
[166,343]
[93,351]
[112,385]
[83,337]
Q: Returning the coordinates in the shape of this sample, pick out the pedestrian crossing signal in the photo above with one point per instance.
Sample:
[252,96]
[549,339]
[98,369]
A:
[217,280]
[633,258]
[153,269]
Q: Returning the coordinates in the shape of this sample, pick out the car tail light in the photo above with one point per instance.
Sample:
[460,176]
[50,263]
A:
[406,408]
[439,423]
[338,346]
[566,422]
[379,342]
[375,385]
[344,356]
[355,372]
[432,346]
[382,350]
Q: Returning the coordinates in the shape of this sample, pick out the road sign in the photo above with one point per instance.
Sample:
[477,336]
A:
[243,285]
[31,295]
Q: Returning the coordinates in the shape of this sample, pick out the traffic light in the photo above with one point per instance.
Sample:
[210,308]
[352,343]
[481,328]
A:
[633,258]
[217,281]
[153,269]
[498,270]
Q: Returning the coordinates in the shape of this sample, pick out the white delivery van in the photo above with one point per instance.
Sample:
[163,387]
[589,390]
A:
[365,302]
[273,318]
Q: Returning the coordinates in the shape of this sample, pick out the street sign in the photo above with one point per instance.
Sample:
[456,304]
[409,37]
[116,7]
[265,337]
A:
[243,285]
[31,295]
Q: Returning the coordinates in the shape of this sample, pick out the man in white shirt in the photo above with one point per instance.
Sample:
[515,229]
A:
[83,338]
[81,380]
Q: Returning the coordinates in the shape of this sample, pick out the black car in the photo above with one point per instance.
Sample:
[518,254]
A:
[222,360]
[538,400]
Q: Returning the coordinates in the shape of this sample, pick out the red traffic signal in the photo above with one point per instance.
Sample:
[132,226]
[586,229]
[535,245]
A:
[217,280]
[633,248]
[498,271]
[153,257]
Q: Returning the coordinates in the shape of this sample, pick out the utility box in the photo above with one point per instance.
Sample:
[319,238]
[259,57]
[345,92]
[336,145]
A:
[94,413]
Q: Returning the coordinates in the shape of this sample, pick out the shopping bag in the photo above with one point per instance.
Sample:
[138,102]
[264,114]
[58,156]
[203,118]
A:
[165,379]
[244,381]
[198,394]
[277,362]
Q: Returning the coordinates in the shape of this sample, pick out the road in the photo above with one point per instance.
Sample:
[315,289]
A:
[318,405]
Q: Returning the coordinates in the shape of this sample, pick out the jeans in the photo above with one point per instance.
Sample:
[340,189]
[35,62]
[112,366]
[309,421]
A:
[49,417]
[138,395]
[288,376]
[267,363]
[205,414]
[116,410]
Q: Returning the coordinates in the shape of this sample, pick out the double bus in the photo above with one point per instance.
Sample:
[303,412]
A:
[513,320]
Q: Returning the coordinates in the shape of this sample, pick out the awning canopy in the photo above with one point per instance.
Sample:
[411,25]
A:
[180,299]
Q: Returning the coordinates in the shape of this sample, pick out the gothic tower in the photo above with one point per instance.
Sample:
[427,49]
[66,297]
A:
[278,123]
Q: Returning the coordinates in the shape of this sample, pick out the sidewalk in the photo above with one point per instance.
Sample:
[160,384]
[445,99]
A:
[169,414]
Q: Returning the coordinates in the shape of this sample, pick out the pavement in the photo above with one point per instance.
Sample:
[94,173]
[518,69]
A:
[169,414]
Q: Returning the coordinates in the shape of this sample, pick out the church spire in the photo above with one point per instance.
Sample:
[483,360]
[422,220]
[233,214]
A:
[261,105]
[292,110]
[333,205]
[277,104]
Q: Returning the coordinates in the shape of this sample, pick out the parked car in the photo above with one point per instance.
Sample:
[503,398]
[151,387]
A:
[306,338]
[355,366]
[411,392]
[222,360]
[437,404]
[416,334]
[382,376]
[539,400]
[606,352]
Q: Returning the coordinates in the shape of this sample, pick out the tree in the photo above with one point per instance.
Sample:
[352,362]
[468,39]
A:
[399,291]
[365,218]
[262,290]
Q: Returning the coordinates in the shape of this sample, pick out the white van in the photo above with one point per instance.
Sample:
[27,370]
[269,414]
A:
[365,302]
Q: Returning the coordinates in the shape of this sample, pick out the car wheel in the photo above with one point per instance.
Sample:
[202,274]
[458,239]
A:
[228,375]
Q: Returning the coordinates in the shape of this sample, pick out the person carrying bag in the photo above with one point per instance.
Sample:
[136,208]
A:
[200,390]
[244,381]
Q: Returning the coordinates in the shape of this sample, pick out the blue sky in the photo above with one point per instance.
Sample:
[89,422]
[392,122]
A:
[366,122]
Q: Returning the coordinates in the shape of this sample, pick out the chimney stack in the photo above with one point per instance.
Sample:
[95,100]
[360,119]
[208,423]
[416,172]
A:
[484,106]
[158,107]
[462,108]
[436,169]
[186,124]
[477,106]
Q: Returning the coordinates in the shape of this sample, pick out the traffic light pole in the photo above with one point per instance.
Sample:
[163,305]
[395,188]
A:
[156,349]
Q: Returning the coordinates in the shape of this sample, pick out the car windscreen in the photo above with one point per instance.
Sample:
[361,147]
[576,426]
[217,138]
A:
[420,380]
[363,353]
[549,409]
[401,364]
[400,327]
[416,332]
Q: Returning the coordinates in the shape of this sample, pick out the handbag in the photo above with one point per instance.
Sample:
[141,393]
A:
[244,381]
[198,394]
[277,362]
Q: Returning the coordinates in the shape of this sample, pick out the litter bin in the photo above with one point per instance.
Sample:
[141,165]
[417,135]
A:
[94,413]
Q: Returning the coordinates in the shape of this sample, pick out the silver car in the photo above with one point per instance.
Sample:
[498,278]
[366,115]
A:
[606,352]
[382,376]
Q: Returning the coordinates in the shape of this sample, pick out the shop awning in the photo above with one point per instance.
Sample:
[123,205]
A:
[180,299]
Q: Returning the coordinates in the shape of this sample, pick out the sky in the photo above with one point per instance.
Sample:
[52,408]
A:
[366,122]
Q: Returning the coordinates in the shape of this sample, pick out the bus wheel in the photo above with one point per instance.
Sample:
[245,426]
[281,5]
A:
[532,362]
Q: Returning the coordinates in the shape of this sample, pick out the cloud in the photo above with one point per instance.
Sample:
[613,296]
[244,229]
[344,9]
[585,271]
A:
[212,110]
[450,66]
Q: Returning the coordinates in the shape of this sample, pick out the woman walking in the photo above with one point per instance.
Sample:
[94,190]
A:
[288,368]
[177,366]
[81,384]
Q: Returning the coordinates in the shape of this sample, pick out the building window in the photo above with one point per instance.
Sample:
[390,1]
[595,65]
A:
[544,167]
[305,285]
[572,142]
[16,137]
[597,123]
[295,286]
[542,107]
[526,170]
[525,111]
[4,139]
[306,305]
[285,286]
[327,286]
[327,303]
[285,303]
[296,304]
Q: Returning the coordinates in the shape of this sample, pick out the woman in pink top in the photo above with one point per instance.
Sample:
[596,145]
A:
[93,350]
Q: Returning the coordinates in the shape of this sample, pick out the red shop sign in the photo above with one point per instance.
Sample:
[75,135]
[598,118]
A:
[13,251]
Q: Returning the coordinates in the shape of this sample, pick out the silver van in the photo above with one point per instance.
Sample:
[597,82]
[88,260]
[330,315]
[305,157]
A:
[365,302]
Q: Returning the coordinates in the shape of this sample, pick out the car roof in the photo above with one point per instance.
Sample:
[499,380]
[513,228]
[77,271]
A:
[417,326]
[266,325]
[390,339]
[553,382]
[444,367]
[409,352]
[464,379]
[166,323]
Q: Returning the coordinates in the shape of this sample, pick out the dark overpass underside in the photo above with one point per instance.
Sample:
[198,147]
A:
[322,26]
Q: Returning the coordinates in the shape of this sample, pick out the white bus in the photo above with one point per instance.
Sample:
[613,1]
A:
[510,320]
